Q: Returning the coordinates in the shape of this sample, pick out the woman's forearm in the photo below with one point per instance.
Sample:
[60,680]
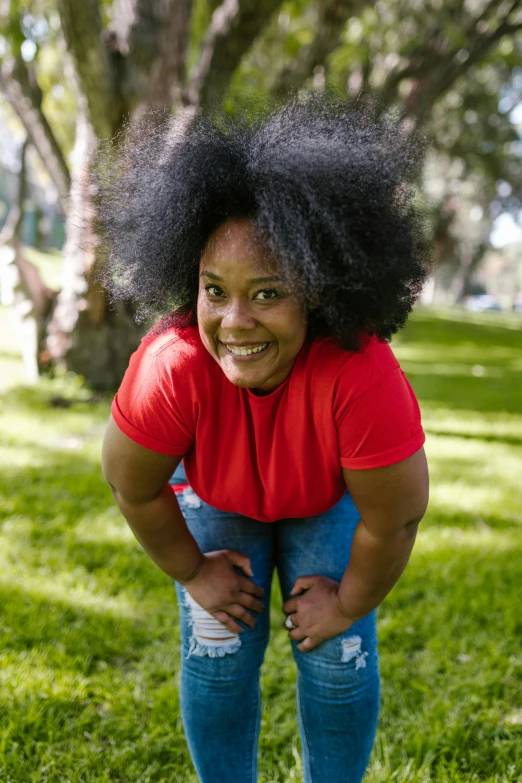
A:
[161,530]
[376,564]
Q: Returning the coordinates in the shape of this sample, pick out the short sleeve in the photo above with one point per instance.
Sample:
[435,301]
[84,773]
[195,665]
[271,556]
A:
[147,407]
[381,426]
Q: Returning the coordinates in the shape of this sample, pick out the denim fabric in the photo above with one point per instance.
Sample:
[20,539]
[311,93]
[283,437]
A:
[338,685]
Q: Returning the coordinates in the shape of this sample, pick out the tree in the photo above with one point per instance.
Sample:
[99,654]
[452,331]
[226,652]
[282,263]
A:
[125,58]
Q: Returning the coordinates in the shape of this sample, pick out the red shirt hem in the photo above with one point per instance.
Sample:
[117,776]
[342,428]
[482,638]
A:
[141,438]
[385,458]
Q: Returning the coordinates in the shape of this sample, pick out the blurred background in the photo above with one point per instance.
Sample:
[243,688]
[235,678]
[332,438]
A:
[88,654]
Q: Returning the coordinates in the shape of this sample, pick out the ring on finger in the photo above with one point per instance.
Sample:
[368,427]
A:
[289,623]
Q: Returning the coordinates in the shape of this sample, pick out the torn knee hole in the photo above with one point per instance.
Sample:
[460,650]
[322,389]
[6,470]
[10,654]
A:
[209,636]
[351,649]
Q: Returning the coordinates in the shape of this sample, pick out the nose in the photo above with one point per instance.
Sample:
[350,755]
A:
[237,315]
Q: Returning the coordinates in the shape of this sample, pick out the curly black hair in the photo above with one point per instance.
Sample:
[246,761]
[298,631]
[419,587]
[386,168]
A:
[326,181]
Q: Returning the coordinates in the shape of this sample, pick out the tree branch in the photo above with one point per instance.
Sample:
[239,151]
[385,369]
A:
[234,26]
[333,14]
[168,71]
[427,92]
[24,95]
[135,28]
[435,70]
[151,37]
[82,29]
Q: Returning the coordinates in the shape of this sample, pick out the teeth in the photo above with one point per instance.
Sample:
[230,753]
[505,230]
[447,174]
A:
[246,351]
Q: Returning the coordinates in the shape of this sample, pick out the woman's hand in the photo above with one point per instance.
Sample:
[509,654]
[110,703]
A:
[223,592]
[317,613]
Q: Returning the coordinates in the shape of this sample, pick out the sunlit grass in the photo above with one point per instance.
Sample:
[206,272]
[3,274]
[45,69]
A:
[89,648]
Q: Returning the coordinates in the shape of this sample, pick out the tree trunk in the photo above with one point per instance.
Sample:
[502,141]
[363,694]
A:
[21,284]
[85,334]
[25,97]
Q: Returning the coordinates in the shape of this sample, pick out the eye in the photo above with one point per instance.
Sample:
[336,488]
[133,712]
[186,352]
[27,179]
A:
[214,290]
[267,293]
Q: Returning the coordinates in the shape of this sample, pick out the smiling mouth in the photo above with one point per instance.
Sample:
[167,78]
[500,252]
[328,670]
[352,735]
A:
[237,350]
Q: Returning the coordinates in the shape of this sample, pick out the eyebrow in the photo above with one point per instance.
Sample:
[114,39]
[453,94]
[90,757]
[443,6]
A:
[252,281]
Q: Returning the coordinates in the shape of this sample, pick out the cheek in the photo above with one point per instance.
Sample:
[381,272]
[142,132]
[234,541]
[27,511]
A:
[206,327]
[205,315]
[295,328]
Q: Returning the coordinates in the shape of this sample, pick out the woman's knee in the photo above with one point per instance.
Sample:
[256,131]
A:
[349,659]
[208,644]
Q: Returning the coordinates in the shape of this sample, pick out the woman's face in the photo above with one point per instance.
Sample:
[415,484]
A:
[249,320]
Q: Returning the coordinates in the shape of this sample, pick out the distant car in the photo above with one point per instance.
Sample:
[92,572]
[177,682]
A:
[481,302]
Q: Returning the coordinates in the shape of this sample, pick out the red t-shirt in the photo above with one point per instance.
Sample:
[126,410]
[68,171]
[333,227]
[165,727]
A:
[276,456]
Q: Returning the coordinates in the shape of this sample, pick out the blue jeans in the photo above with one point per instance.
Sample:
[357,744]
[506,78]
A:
[338,686]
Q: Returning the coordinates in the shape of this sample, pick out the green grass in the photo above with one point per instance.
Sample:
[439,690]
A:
[88,625]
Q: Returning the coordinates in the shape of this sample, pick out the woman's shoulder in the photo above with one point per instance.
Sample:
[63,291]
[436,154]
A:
[374,359]
[174,345]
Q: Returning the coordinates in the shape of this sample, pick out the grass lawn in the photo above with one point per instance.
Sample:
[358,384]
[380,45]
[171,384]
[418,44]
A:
[88,625]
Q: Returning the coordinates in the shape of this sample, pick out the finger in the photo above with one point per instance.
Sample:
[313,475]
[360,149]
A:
[241,614]
[247,586]
[250,602]
[240,560]
[290,606]
[308,644]
[227,621]
[304,583]
[297,634]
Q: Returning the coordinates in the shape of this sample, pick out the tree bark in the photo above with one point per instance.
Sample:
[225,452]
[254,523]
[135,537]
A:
[167,74]
[82,30]
[151,38]
[85,334]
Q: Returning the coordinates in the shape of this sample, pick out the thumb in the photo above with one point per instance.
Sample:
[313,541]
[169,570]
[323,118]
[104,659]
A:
[240,560]
[304,583]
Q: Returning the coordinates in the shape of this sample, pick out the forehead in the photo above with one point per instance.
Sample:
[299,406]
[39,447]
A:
[235,246]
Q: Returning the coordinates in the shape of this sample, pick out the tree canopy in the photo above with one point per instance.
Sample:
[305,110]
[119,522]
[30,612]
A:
[76,73]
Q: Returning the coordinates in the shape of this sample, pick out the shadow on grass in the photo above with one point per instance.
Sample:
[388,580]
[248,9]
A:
[482,395]
[508,440]
[448,636]
[428,340]
[441,327]
[50,392]
[449,631]
[60,522]
[58,629]
[67,486]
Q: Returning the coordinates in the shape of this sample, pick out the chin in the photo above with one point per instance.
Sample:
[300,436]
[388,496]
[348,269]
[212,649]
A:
[245,383]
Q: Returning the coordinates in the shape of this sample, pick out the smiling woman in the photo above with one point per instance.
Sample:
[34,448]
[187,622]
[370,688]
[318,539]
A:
[292,252]
[253,332]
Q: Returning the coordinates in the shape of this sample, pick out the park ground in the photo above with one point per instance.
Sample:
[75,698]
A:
[89,649]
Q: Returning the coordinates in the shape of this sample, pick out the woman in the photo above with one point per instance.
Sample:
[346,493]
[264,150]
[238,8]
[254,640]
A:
[290,250]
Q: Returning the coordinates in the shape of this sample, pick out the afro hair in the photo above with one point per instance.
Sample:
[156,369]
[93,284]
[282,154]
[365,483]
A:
[327,182]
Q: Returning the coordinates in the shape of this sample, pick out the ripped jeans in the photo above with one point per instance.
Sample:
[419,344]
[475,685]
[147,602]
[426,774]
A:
[337,682]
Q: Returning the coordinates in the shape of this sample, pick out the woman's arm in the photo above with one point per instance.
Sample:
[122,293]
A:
[391,501]
[138,479]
